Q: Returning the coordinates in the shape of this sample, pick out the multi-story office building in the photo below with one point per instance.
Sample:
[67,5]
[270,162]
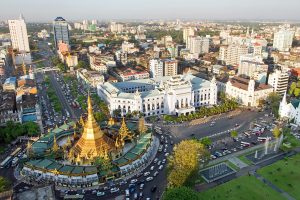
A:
[156,68]
[231,54]
[179,94]
[283,40]
[198,45]
[18,34]
[279,80]
[187,32]
[61,31]
[170,67]
[116,27]
[249,64]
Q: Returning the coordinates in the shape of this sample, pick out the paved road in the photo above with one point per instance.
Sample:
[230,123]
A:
[203,130]
[61,96]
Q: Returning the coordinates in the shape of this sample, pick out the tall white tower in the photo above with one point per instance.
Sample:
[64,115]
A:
[18,34]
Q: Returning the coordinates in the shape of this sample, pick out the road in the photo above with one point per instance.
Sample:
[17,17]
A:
[61,96]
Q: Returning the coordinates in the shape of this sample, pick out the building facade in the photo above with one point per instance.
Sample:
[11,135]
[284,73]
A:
[174,95]
[18,34]
[247,92]
[156,67]
[198,45]
[61,31]
[189,31]
[279,80]
[283,40]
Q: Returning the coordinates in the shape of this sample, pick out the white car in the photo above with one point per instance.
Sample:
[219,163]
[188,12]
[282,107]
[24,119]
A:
[155,173]
[160,167]
[133,181]
[142,186]
[99,194]
[150,178]
[152,168]
[167,154]
[146,173]
[163,161]
[155,160]
[113,190]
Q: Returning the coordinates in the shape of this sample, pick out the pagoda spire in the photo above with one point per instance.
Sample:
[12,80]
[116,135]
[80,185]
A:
[55,146]
[24,68]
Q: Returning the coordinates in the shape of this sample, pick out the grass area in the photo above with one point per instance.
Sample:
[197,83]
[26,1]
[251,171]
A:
[245,160]
[285,174]
[289,138]
[233,166]
[243,188]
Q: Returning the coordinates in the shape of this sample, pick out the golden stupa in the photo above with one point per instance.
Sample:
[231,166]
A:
[93,143]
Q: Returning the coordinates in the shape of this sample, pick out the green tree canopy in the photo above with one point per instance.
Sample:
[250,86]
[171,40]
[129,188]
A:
[206,141]
[4,184]
[234,134]
[82,64]
[181,193]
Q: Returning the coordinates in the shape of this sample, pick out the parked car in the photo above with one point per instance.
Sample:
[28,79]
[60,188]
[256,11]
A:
[150,178]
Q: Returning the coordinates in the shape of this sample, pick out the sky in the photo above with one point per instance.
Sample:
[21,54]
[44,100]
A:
[72,10]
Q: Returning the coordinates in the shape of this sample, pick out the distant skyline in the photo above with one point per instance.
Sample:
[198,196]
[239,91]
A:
[73,10]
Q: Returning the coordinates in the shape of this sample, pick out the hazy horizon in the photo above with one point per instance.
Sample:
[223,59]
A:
[73,10]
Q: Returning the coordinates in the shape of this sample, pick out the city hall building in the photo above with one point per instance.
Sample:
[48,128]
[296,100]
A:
[175,95]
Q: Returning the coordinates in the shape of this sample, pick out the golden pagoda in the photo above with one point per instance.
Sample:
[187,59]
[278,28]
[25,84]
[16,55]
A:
[55,146]
[93,141]
[124,133]
[111,122]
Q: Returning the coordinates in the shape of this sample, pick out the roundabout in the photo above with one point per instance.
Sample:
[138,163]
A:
[81,154]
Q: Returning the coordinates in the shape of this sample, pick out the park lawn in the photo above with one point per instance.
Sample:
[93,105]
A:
[245,160]
[243,188]
[285,174]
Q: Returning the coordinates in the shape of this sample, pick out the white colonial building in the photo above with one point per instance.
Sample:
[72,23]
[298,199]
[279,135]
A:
[247,91]
[290,111]
[179,94]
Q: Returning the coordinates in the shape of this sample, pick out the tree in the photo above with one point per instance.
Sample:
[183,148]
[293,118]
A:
[206,141]
[82,64]
[4,184]
[103,164]
[32,128]
[55,60]
[181,193]
[61,67]
[292,88]
[100,117]
[141,125]
[117,112]
[184,161]
[234,134]
[274,100]
[276,132]
[297,92]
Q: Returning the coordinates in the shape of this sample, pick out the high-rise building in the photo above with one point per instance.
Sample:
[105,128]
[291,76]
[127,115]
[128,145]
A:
[18,34]
[231,54]
[116,28]
[279,80]
[187,32]
[156,68]
[249,64]
[61,31]
[170,67]
[198,45]
[283,40]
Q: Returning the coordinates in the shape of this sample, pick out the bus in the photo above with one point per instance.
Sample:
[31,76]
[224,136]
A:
[15,152]
[6,162]
[76,196]
[245,144]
